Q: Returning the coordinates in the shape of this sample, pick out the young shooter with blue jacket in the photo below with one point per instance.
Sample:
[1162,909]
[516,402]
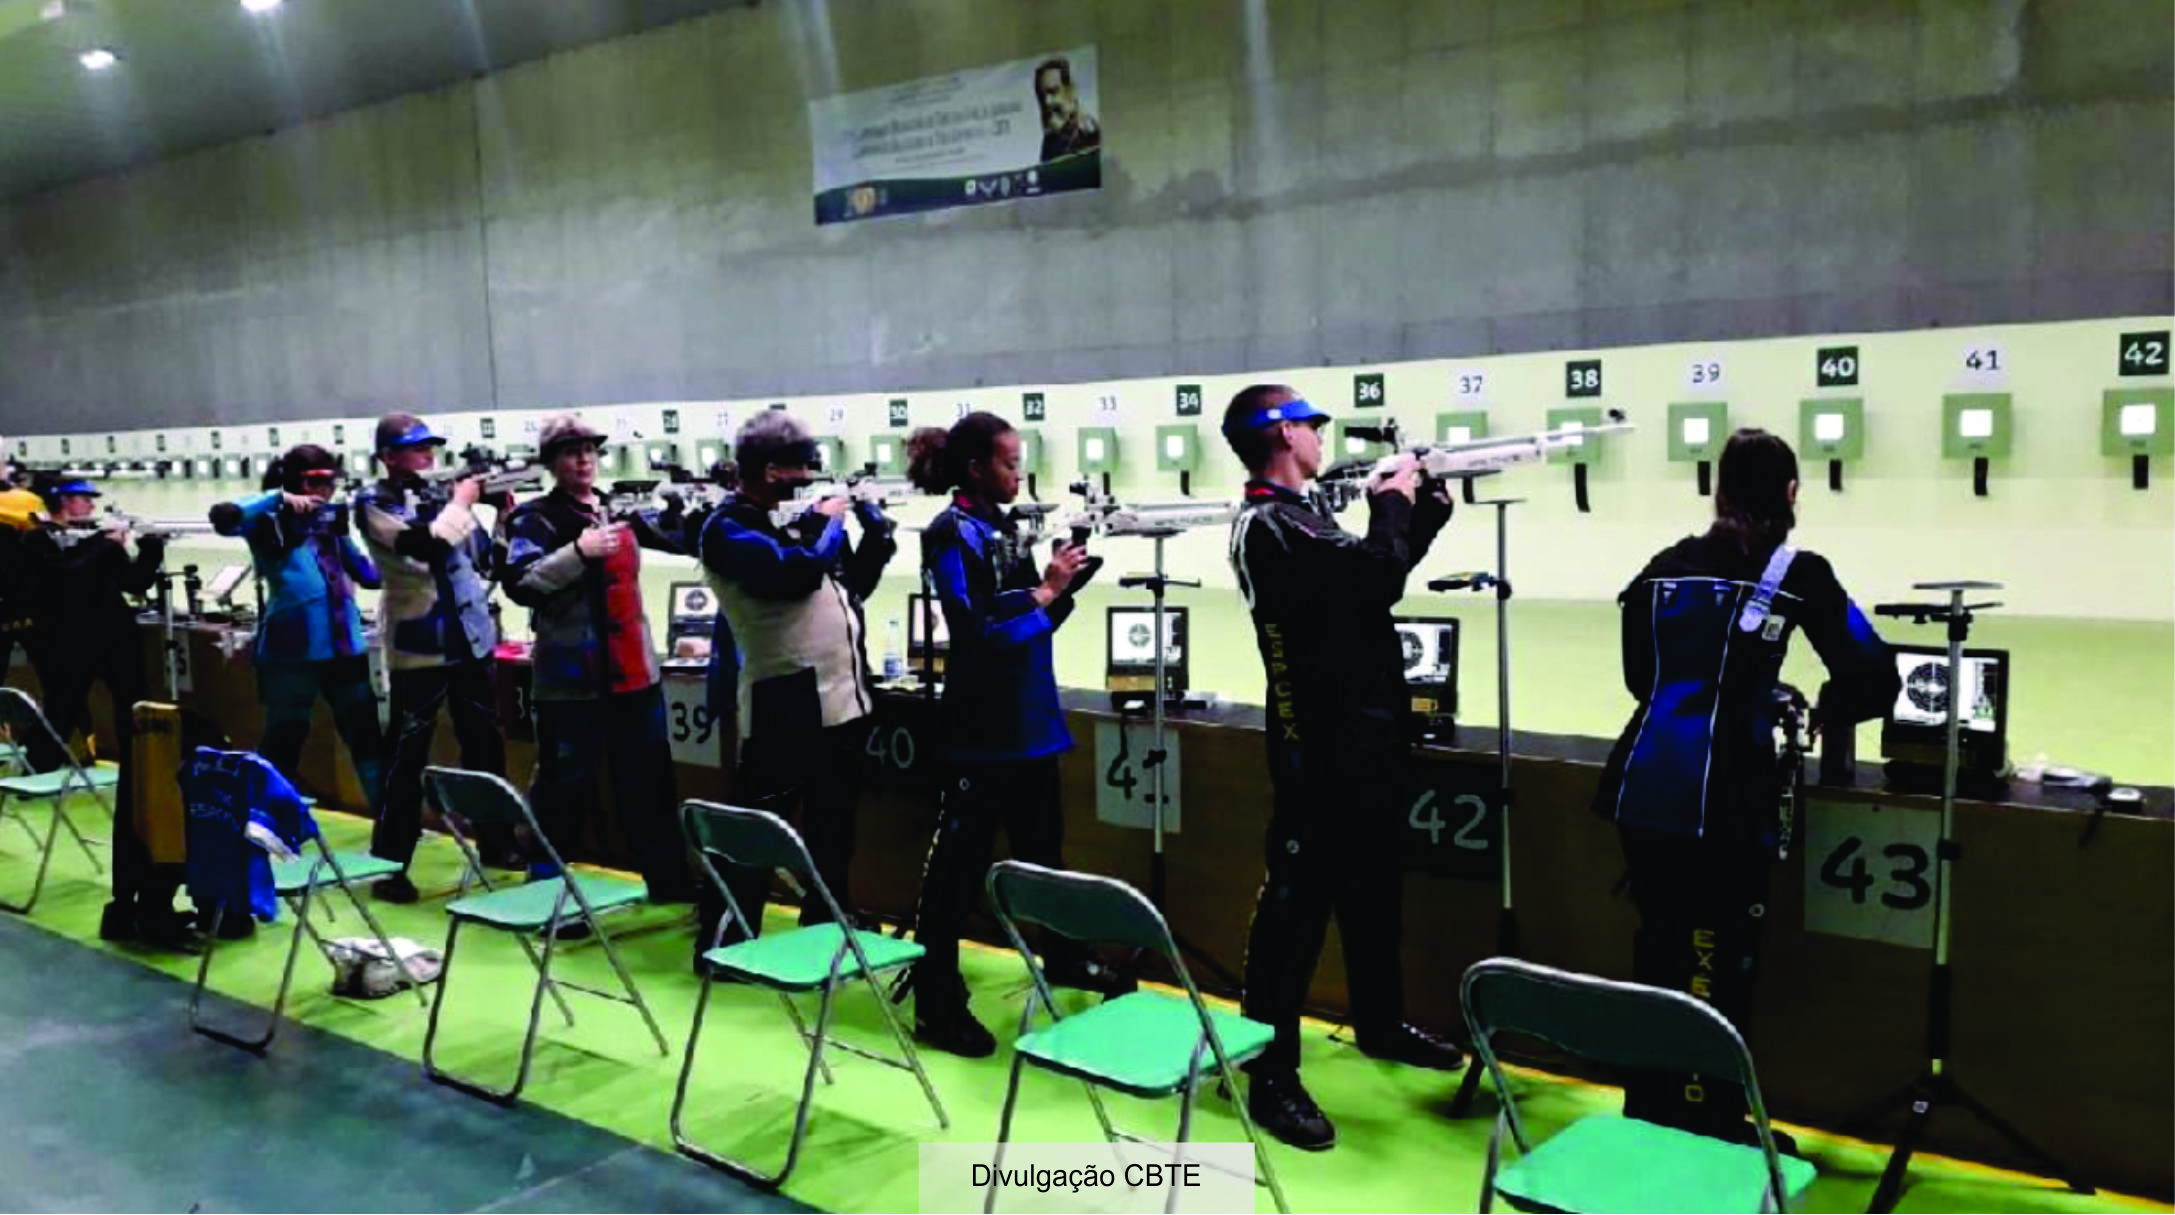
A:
[1692,783]
[310,642]
[1004,728]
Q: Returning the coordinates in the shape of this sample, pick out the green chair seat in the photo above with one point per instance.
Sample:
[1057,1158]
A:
[1141,1043]
[1608,1163]
[47,784]
[293,877]
[800,960]
[530,904]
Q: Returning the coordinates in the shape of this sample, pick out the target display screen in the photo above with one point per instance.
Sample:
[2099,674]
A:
[1430,649]
[1927,687]
[1132,637]
[1130,672]
[693,601]
[1916,730]
[1428,654]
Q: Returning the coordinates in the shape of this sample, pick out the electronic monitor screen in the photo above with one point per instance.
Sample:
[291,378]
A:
[693,601]
[1430,649]
[1916,730]
[1131,637]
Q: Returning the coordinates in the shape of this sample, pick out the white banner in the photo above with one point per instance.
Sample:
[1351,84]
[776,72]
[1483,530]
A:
[1114,1177]
[989,134]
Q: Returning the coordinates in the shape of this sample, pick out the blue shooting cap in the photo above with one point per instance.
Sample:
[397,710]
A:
[75,485]
[403,430]
[1298,409]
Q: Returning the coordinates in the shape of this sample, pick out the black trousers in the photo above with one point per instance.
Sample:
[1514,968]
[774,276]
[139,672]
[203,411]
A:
[465,690]
[67,665]
[1700,909]
[1021,797]
[42,753]
[1330,852]
[814,777]
[572,737]
[290,691]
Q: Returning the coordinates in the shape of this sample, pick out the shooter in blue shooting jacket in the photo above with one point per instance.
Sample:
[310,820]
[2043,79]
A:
[1693,783]
[310,642]
[1004,729]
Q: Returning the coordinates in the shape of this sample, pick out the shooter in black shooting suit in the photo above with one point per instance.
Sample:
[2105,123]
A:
[1692,783]
[1321,599]
[82,575]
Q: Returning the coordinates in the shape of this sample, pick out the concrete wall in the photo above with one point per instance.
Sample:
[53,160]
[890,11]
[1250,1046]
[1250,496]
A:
[1289,183]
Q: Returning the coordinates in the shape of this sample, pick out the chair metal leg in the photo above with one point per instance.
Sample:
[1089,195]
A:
[504,1096]
[725,1164]
[906,1048]
[808,1081]
[1253,1134]
[800,1027]
[634,994]
[370,921]
[20,821]
[1495,1161]
[255,1045]
[60,817]
[1004,1131]
[687,1147]
[1185,1129]
[45,861]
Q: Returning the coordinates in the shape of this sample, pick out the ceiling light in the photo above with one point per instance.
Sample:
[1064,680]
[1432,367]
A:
[98,59]
[260,6]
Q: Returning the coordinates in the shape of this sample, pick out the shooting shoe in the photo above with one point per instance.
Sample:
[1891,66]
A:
[395,889]
[1280,1105]
[1411,1046]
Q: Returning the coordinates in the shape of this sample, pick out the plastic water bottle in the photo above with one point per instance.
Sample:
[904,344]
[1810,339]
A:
[894,649]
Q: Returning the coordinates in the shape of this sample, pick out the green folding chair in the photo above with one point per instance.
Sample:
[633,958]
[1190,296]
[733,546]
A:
[296,882]
[821,958]
[1145,1044]
[470,800]
[19,713]
[1608,1162]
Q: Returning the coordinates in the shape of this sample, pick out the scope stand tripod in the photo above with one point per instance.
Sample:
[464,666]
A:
[1506,927]
[1157,584]
[169,643]
[1937,1086]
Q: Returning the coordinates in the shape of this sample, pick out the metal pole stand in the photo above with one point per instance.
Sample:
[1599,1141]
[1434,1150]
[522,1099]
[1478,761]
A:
[1937,1086]
[1506,924]
[168,645]
[1157,584]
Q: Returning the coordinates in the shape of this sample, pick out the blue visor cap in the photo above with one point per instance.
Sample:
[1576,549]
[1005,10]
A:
[1298,409]
[76,485]
[418,435]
